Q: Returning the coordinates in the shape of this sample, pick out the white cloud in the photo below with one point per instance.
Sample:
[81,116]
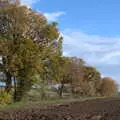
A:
[54,16]
[29,2]
[94,49]
[112,58]
[66,54]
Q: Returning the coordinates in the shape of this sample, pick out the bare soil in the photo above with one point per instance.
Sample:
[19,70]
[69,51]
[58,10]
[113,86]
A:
[99,109]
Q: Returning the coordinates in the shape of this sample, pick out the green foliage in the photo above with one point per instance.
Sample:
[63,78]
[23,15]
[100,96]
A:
[5,98]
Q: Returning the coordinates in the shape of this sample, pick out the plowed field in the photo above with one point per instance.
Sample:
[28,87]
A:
[100,109]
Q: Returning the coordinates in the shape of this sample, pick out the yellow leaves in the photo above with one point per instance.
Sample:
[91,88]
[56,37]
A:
[5,98]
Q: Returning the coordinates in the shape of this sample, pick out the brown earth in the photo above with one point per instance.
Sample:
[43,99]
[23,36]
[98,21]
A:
[100,109]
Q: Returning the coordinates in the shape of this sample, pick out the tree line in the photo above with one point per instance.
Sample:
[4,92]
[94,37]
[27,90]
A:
[85,80]
[31,51]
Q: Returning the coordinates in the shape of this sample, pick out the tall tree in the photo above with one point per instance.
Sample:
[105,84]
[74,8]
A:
[69,71]
[27,41]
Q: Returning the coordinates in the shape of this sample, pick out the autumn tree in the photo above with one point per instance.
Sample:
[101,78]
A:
[12,24]
[108,87]
[71,71]
[27,41]
[91,80]
[64,75]
[87,81]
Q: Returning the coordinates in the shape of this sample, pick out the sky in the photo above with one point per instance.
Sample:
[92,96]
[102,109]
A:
[91,30]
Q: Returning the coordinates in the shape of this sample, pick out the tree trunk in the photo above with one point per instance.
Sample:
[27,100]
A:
[8,82]
[22,87]
[19,92]
[15,88]
[61,90]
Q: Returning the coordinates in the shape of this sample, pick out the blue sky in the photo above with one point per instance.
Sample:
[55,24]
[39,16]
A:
[91,30]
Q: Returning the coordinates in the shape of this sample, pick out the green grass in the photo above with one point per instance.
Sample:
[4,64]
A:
[23,104]
[13,106]
[28,104]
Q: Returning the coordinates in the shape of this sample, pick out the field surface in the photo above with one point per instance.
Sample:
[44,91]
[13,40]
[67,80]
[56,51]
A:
[99,109]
